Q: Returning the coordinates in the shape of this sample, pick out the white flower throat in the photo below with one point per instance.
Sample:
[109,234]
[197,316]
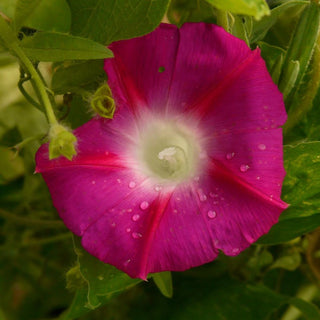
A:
[168,151]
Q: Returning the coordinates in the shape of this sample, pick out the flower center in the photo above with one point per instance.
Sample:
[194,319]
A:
[169,151]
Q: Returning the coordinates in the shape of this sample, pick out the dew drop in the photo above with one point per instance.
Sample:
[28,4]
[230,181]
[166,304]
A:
[230,155]
[132,184]
[144,205]
[127,262]
[235,250]
[262,147]
[258,178]
[157,188]
[135,217]
[128,230]
[244,168]
[212,214]
[113,224]
[119,180]
[100,277]
[129,210]
[93,182]
[213,195]
[201,195]
[106,153]
[136,235]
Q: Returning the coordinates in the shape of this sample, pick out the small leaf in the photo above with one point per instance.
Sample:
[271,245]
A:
[163,280]
[51,46]
[11,165]
[102,281]
[273,56]
[288,262]
[300,50]
[261,27]
[256,8]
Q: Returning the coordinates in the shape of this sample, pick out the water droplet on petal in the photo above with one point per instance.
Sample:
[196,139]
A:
[212,214]
[100,277]
[235,250]
[136,235]
[132,184]
[230,155]
[119,180]
[113,224]
[262,147]
[128,230]
[129,210]
[197,178]
[244,168]
[127,262]
[144,205]
[135,217]
[93,182]
[157,188]
[201,195]
[258,178]
[213,195]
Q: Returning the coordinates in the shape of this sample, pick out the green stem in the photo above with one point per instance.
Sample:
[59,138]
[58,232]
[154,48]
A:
[37,82]
[222,19]
[30,221]
[37,242]
[307,293]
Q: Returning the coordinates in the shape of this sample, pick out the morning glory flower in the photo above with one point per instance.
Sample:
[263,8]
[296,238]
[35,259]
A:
[190,164]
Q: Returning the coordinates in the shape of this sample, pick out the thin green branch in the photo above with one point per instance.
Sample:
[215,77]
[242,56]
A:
[31,222]
[37,242]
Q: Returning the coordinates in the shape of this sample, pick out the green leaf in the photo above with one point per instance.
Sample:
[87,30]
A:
[289,262]
[256,8]
[163,280]
[7,36]
[51,46]
[106,21]
[102,281]
[230,299]
[260,28]
[23,10]
[11,165]
[300,50]
[50,15]
[75,75]
[8,7]
[289,229]
[301,190]
[273,56]
[181,11]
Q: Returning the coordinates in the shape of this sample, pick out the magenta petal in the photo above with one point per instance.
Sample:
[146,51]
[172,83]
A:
[141,72]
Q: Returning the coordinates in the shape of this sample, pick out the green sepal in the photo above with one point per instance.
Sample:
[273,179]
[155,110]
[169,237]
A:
[102,102]
[163,281]
[62,142]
